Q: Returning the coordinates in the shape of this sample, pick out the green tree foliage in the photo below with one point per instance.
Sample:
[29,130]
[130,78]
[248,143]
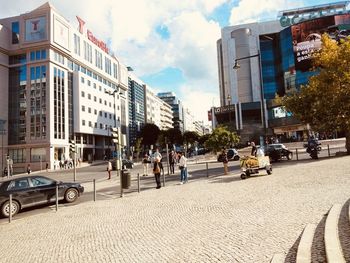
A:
[324,102]
[221,137]
[149,134]
[190,137]
[202,139]
[174,136]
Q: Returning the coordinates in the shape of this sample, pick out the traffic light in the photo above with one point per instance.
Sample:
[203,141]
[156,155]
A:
[116,135]
[72,146]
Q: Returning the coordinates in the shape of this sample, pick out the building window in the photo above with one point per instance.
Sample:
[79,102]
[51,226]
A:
[95,98]
[90,124]
[110,105]
[89,96]
[76,44]
[95,124]
[83,94]
[101,113]
[83,108]
[95,111]
[15,32]
[82,80]
[94,85]
[101,126]
[59,104]
[100,100]
[98,59]
[105,114]
[110,116]
[83,122]
[89,110]
[105,102]
[108,69]
[115,71]
[87,52]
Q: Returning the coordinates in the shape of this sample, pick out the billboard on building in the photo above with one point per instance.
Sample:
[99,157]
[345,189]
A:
[306,36]
[61,34]
[35,29]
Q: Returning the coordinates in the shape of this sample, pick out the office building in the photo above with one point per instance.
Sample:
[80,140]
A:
[259,61]
[59,81]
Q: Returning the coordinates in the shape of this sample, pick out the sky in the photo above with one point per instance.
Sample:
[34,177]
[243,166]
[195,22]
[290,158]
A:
[170,44]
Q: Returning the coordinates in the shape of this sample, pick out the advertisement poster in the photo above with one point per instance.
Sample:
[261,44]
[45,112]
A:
[35,29]
[61,34]
[307,37]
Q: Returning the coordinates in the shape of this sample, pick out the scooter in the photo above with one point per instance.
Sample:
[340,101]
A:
[313,149]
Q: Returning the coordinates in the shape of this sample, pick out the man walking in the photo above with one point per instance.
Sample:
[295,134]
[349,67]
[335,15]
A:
[172,159]
[109,169]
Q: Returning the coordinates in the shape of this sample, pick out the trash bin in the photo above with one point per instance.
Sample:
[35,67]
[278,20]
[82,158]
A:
[126,179]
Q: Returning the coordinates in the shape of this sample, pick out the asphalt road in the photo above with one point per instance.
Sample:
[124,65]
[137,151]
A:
[110,189]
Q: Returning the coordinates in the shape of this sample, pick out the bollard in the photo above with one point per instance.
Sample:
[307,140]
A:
[10,209]
[94,190]
[163,179]
[207,169]
[138,182]
[329,152]
[56,197]
[296,153]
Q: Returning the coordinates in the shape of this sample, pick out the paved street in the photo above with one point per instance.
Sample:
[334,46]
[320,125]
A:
[221,218]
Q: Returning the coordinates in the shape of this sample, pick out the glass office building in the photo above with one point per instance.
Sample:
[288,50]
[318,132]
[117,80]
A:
[275,58]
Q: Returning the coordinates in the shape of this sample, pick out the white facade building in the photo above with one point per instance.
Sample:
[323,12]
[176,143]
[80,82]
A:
[54,80]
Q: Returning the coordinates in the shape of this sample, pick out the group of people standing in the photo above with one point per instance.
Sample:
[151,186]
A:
[174,159]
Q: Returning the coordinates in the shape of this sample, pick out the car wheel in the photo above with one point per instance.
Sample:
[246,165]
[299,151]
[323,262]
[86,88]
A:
[236,158]
[289,156]
[269,170]
[71,195]
[5,209]
[243,176]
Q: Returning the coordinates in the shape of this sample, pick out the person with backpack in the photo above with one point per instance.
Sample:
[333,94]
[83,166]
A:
[157,168]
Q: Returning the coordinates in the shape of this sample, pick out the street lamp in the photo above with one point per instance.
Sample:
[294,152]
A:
[2,132]
[237,66]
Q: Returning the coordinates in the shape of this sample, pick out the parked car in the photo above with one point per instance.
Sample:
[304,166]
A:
[277,151]
[125,163]
[35,190]
[232,154]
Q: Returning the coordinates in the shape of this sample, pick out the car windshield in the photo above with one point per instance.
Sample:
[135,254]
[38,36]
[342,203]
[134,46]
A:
[37,181]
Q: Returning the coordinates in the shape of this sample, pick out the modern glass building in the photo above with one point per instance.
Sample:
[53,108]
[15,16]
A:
[260,61]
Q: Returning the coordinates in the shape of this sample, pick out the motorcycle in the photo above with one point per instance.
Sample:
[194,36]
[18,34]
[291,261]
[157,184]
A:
[313,149]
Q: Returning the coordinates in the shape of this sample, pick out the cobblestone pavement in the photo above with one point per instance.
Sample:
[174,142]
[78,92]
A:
[207,220]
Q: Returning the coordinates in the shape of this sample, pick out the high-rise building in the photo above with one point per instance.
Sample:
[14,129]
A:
[58,81]
[259,61]
[177,108]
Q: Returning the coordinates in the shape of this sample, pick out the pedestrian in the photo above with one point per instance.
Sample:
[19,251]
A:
[224,160]
[157,168]
[47,167]
[145,162]
[253,152]
[28,169]
[172,159]
[157,154]
[109,169]
[183,168]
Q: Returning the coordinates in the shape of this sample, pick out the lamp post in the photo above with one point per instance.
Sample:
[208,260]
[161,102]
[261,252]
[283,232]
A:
[229,111]
[237,66]
[2,131]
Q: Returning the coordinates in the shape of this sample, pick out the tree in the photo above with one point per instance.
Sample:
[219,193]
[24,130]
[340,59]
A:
[202,139]
[189,137]
[324,102]
[149,134]
[174,136]
[220,138]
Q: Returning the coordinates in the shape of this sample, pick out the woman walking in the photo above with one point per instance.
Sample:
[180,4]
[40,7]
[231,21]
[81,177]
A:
[157,168]
[183,168]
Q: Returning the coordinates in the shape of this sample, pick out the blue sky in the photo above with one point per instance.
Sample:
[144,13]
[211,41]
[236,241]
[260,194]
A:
[170,44]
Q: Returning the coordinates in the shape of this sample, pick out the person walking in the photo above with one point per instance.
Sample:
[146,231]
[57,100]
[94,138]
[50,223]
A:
[157,154]
[109,169]
[145,162]
[183,168]
[224,160]
[157,168]
[28,169]
[172,159]
[253,152]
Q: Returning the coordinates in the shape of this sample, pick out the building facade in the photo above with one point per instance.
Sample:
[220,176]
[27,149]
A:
[259,61]
[58,83]
[177,108]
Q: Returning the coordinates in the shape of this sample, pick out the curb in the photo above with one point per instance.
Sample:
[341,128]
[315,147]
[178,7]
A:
[305,245]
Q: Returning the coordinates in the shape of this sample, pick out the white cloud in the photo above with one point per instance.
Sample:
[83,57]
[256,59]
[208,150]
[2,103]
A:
[249,11]
[130,27]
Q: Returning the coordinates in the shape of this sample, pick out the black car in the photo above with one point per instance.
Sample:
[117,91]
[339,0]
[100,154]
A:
[126,164]
[232,154]
[277,151]
[35,190]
